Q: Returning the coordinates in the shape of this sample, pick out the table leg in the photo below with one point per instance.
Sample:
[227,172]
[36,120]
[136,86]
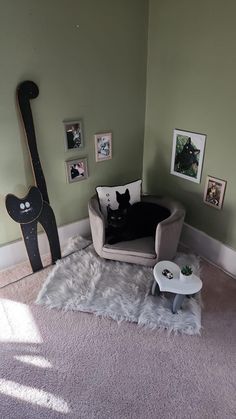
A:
[178,300]
[155,288]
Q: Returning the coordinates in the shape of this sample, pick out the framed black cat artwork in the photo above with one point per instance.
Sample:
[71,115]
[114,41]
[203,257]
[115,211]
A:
[187,155]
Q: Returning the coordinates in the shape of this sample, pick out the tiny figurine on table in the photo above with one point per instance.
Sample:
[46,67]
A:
[167,273]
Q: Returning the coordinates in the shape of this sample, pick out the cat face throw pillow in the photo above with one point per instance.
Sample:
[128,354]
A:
[118,197]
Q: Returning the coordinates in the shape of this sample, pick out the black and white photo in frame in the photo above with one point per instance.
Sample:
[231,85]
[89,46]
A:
[73,135]
[76,170]
[103,146]
[214,192]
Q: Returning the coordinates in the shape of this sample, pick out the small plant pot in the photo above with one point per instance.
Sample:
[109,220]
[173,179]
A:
[183,277]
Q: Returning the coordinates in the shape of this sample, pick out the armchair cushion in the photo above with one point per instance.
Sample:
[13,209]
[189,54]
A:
[144,247]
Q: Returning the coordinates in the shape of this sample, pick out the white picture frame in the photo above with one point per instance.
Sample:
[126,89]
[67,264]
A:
[187,155]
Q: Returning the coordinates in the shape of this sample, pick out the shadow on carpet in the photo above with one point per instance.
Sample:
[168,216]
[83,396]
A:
[85,282]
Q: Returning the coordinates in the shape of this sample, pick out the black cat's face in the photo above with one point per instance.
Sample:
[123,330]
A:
[123,199]
[189,150]
[27,209]
[116,218]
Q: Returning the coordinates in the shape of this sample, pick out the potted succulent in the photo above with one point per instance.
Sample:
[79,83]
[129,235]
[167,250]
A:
[185,273]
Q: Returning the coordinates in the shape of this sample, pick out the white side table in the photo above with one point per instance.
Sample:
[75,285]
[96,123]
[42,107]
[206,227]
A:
[175,285]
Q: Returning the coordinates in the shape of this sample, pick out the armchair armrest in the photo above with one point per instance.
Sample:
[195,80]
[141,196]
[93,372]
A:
[168,231]
[97,224]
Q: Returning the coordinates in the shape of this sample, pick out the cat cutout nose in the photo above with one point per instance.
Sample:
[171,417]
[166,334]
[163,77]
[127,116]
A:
[22,205]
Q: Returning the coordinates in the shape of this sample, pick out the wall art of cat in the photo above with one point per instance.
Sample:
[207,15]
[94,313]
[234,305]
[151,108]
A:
[187,155]
[187,159]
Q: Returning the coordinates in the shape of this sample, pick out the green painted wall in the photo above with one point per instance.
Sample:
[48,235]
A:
[96,72]
[191,85]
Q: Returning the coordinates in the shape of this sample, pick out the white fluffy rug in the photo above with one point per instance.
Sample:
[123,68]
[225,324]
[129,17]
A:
[85,282]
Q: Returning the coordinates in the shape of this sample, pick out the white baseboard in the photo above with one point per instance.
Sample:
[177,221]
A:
[202,244]
[210,249]
[15,252]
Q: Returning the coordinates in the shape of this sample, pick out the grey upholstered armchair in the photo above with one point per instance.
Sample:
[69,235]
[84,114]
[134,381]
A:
[144,251]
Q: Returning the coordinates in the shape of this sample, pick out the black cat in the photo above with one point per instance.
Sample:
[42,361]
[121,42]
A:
[187,158]
[136,221]
[123,199]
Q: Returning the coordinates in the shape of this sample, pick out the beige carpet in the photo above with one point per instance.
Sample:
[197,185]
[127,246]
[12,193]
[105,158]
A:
[19,271]
[58,364]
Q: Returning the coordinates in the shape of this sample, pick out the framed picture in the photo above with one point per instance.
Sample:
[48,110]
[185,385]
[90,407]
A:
[187,155]
[103,146]
[73,135]
[76,170]
[214,192]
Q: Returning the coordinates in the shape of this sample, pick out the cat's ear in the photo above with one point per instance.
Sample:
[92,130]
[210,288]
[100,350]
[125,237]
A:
[127,194]
[117,196]
[188,140]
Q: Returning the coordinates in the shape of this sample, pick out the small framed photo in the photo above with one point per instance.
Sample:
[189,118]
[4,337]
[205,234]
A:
[187,155]
[76,170]
[73,135]
[214,192]
[103,146]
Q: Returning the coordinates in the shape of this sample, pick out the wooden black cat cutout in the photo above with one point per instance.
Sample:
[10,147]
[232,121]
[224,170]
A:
[26,91]
[34,207]
[28,211]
